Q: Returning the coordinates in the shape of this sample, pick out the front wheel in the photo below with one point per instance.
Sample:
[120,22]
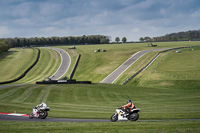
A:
[31,116]
[43,114]
[114,117]
[134,117]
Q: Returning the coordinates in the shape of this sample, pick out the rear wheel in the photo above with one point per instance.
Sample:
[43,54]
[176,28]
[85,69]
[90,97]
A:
[134,117]
[43,114]
[114,117]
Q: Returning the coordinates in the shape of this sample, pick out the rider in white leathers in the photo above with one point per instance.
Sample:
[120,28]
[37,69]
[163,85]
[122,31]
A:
[40,106]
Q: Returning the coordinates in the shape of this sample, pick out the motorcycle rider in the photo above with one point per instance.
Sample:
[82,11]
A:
[128,107]
[36,109]
[42,105]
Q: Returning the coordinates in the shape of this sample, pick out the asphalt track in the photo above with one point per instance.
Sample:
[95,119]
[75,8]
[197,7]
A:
[26,119]
[65,63]
[117,72]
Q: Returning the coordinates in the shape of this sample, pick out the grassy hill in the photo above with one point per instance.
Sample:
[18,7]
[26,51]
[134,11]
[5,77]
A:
[14,64]
[96,66]
[170,92]
[47,65]
[151,91]
[170,68]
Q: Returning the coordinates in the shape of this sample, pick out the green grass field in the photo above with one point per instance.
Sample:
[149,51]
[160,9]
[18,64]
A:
[99,101]
[16,63]
[170,92]
[13,65]
[47,65]
[171,67]
[118,127]
[96,66]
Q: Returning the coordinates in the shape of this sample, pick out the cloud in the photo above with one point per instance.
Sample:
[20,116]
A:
[4,31]
[130,18]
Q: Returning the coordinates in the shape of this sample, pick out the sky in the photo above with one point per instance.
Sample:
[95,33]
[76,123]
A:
[115,18]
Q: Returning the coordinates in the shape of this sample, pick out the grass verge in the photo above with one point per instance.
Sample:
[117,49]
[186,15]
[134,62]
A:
[103,127]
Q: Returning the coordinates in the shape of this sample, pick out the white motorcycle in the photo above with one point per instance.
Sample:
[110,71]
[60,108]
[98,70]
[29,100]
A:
[39,112]
[121,115]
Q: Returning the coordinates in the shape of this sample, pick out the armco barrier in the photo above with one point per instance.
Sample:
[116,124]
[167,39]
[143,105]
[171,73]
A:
[24,74]
[126,81]
[75,66]
[64,82]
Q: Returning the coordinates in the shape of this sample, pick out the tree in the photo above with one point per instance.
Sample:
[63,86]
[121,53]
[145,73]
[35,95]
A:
[3,46]
[124,39]
[141,39]
[147,39]
[117,39]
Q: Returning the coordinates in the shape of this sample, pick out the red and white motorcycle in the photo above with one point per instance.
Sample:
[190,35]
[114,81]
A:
[40,111]
[122,115]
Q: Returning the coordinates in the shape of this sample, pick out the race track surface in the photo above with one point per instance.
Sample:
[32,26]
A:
[26,119]
[65,63]
[117,72]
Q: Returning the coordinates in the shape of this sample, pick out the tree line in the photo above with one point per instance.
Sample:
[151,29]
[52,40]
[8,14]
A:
[42,41]
[193,35]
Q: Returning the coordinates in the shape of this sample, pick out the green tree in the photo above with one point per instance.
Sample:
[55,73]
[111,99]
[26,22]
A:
[117,39]
[147,39]
[141,39]
[3,47]
[124,39]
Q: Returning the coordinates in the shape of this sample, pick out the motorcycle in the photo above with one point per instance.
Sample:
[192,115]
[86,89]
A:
[122,115]
[39,112]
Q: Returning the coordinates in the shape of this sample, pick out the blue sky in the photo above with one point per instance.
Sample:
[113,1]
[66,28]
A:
[116,18]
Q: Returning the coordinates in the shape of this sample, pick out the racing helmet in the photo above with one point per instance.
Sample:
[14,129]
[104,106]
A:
[129,101]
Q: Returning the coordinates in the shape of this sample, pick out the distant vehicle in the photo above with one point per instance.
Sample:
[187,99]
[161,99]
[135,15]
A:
[73,47]
[178,51]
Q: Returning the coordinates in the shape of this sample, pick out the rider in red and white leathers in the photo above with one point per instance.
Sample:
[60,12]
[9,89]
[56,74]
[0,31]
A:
[128,107]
